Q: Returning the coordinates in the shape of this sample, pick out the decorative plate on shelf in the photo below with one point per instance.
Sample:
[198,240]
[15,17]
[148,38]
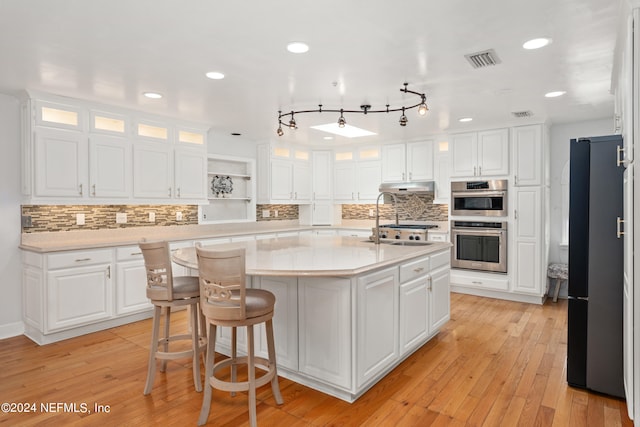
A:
[222,185]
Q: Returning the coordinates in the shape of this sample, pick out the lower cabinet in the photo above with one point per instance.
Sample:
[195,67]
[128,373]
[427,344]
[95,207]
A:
[131,281]
[414,318]
[439,298]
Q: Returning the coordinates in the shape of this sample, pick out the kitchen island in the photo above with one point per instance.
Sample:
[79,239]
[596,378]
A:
[347,311]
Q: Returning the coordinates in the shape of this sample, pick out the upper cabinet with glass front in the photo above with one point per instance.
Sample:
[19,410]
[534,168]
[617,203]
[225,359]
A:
[75,151]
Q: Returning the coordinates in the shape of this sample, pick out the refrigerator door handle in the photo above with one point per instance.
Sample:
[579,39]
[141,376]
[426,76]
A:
[620,161]
[579,298]
[619,231]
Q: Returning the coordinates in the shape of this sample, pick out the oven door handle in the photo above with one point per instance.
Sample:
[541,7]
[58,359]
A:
[478,193]
[476,232]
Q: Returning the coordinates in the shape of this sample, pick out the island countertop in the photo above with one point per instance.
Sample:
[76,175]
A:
[315,255]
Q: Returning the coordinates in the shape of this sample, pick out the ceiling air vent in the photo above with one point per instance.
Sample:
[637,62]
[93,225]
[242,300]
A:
[522,114]
[483,59]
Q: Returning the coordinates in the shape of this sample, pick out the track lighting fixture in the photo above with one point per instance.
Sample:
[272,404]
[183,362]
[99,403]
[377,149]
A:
[364,109]
[341,120]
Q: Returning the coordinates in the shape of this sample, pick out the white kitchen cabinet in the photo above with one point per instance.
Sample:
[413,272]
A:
[528,241]
[412,161]
[61,167]
[152,170]
[376,324]
[477,154]
[190,177]
[324,322]
[442,181]
[439,292]
[414,314]
[357,181]
[345,182]
[131,281]
[284,175]
[321,188]
[285,320]
[79,288]
[109,166]
[528,160]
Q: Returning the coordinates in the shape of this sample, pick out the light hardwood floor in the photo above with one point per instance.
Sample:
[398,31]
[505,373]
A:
[496,363]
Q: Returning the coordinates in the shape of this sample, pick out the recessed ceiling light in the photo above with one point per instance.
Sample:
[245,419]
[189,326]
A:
[554,94]
[152,95]
[297,47]
[215,75]
[465,119]
[328,138]
[536,43]
[348,130]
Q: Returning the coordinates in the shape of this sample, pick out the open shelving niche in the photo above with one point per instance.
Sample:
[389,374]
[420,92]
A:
[240,204]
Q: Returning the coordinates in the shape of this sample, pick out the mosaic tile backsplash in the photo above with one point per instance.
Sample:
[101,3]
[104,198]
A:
[54,218]
[285,212]
[411,207]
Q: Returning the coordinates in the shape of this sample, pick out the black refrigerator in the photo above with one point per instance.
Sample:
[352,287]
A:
[594,343]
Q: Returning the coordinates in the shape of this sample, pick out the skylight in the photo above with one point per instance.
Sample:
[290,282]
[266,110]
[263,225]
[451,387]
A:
[347,131]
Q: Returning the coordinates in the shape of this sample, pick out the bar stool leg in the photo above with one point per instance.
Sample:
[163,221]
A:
[252,378]
[151,372]
[195,345]
[557,290]
[167,327]
[275,386]
[208,372]
[234,355]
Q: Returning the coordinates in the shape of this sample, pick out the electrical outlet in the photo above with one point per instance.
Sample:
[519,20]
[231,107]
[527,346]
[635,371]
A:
[121,218]
[152,217]
[275,214]
[26,221]
[178,216]
[80,219]
[265,213]
[371,212]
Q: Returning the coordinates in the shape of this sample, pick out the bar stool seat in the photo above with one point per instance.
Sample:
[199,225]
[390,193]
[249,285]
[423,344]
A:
[559,272]
[225,301]
[168,292]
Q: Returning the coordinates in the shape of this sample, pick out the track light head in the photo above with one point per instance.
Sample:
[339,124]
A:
[280,132]
[341,121]
[422,108]
[292,122]
[403,118]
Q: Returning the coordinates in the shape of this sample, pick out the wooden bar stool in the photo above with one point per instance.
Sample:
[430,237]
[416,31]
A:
[559,272]
[166,291]
[225,301]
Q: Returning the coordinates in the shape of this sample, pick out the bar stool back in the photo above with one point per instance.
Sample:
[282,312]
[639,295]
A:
[225,301]
[166,291]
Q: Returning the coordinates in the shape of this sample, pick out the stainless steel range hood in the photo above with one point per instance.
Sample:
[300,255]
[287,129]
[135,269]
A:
[407,187]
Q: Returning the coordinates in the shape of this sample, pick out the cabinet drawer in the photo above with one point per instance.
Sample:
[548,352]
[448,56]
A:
[437,237]
[128,253]
[413,269]
[497,283]
[78,258]
[440,259]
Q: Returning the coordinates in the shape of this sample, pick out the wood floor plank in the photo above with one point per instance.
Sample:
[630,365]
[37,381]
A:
[495,363]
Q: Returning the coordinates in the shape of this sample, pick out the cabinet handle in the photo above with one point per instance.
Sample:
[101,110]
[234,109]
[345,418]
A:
[80,189]
[475,282]
[169,191]
[619,231]
[358,195]
[93,190]
[136,253]
[515,214]
[515,178]
[403,176]
[108,272]
[479,170]
[474,171]
[296,195]
[410,176]
[430,283]
[418,270]
[178,192]
[83,259]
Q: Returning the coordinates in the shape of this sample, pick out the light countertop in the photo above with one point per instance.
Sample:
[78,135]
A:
[315,255]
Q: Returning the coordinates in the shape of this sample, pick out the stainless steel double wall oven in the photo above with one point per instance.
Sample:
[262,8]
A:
[479,243]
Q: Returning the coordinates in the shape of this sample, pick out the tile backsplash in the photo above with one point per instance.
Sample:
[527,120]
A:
[284,212]
[411,207]
[54,218]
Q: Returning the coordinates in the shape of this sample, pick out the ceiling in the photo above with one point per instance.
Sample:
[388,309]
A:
[361,52]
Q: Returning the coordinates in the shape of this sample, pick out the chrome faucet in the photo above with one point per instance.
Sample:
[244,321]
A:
[376,238]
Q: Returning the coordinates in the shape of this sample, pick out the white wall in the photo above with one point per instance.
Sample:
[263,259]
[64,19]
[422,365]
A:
[561,134]
[10,275]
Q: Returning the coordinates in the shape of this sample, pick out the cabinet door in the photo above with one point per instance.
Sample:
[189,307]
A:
[322,183]
[322,213]
[281,180]
[190,174]
[285,320]
[414,316]
[131,287]
[528,168]
[78,296]
[60,163]
[376,324]
[527,239]
[152,170]
[344,182]
[464,155]
[324,321]
[301,181]
[369,175]
[110,166]
[439,299]
[442,180]
[393,163]
[493,152]
[420,161]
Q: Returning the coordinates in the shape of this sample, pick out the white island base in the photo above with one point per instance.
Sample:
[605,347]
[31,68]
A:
[341,331]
